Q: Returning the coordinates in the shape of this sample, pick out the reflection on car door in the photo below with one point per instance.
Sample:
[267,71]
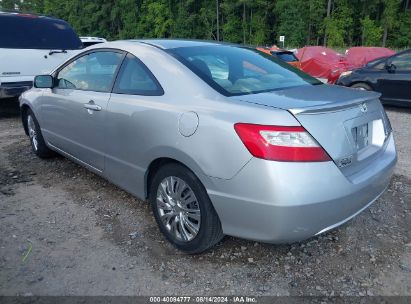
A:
[74,112]
[395,85]
[134,109]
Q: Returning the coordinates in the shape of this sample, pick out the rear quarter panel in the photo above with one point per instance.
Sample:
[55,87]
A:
[141,129]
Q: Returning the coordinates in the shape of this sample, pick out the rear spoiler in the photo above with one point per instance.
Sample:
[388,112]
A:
[334,107]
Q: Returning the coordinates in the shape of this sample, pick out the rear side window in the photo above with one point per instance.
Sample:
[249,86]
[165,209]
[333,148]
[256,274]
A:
[135,78]
[91,72]
[33,32]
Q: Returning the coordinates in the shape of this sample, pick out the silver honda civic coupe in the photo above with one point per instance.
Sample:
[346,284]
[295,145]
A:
[219,138]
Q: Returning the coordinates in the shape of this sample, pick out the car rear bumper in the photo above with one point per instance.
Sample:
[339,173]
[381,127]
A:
[279,202]
[14,89]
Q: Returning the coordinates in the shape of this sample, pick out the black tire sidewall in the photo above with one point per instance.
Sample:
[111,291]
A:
[208,214]
[361,85]
[42,150]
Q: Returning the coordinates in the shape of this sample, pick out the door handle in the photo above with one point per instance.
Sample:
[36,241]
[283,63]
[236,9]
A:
[92,106]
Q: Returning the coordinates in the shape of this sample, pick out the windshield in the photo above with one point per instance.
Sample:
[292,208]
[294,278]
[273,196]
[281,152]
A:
[33,32]
[238,71]
[375,61]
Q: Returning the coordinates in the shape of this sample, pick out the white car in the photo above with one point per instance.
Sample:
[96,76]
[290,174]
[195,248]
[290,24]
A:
[87,41]
[31,45]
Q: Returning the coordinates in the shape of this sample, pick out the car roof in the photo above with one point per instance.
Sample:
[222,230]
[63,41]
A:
[92,39]
[177,43]
[282,52]
[18,14]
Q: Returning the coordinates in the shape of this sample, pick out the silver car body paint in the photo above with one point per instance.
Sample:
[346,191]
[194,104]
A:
[193,124]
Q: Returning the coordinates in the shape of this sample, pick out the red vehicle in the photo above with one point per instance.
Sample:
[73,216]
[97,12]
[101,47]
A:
[360,56]
[322,63]
[327,64]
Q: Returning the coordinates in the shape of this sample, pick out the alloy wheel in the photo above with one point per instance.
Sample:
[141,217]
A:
[32,132]
[178,208]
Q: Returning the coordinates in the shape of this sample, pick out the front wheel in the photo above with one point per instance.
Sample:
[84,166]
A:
[361,86]
[183,210]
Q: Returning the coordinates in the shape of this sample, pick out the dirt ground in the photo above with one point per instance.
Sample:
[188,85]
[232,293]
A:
[66,231]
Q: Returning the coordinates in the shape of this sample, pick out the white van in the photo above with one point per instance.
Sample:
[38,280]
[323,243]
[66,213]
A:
[31,45]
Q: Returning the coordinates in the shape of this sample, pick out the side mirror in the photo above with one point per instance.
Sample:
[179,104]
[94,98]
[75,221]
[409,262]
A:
[390,67]
[43,81]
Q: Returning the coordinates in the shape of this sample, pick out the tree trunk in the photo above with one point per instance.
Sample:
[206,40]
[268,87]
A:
[328,15]
[407,3]
[362,37]
[244,25]
[309,34]
[222,25]
[218,20]
[251,23]
[384,38]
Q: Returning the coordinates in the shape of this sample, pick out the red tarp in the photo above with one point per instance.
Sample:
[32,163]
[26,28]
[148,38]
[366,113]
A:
[320,62]
[359,56]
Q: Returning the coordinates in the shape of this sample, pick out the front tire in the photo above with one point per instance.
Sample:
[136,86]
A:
[183,210]
[38,144]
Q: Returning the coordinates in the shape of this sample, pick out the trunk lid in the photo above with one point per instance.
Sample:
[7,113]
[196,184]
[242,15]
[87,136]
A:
[351,125]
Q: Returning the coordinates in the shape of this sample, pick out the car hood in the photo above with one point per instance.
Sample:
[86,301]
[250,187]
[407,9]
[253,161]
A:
[310,98]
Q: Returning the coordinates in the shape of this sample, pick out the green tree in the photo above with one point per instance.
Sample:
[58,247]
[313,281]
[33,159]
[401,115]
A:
[335,23]
[389,17]
[316,14]
[9,4]
[371,32]
[401,36]
[338,26]
[232,22]
[292,17]
[156,19]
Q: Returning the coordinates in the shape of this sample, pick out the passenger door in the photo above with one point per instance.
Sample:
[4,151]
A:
[74,111]
[395,82]
[135,107]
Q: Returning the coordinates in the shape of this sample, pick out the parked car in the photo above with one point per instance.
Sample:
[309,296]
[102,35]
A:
[87,41]
[322,63]
[260,151]
[31,45]
[288,57]
[284,55]
[390,76]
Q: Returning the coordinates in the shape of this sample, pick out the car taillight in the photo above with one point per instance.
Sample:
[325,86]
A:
[289,144]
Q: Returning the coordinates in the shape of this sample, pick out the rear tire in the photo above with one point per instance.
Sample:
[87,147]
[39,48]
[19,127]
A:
[38,144]
[362,86]
[183,210]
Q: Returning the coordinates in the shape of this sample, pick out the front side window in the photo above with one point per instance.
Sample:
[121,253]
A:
[134,78]
[91,72]
[237,71]
[402,62]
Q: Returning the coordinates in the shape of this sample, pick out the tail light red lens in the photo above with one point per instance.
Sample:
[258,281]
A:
[288,144]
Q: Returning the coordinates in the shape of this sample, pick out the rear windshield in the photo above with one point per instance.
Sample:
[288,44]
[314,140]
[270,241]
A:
[32,32]
[235,70]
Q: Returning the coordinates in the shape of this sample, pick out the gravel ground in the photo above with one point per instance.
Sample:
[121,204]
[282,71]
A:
[66,231]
